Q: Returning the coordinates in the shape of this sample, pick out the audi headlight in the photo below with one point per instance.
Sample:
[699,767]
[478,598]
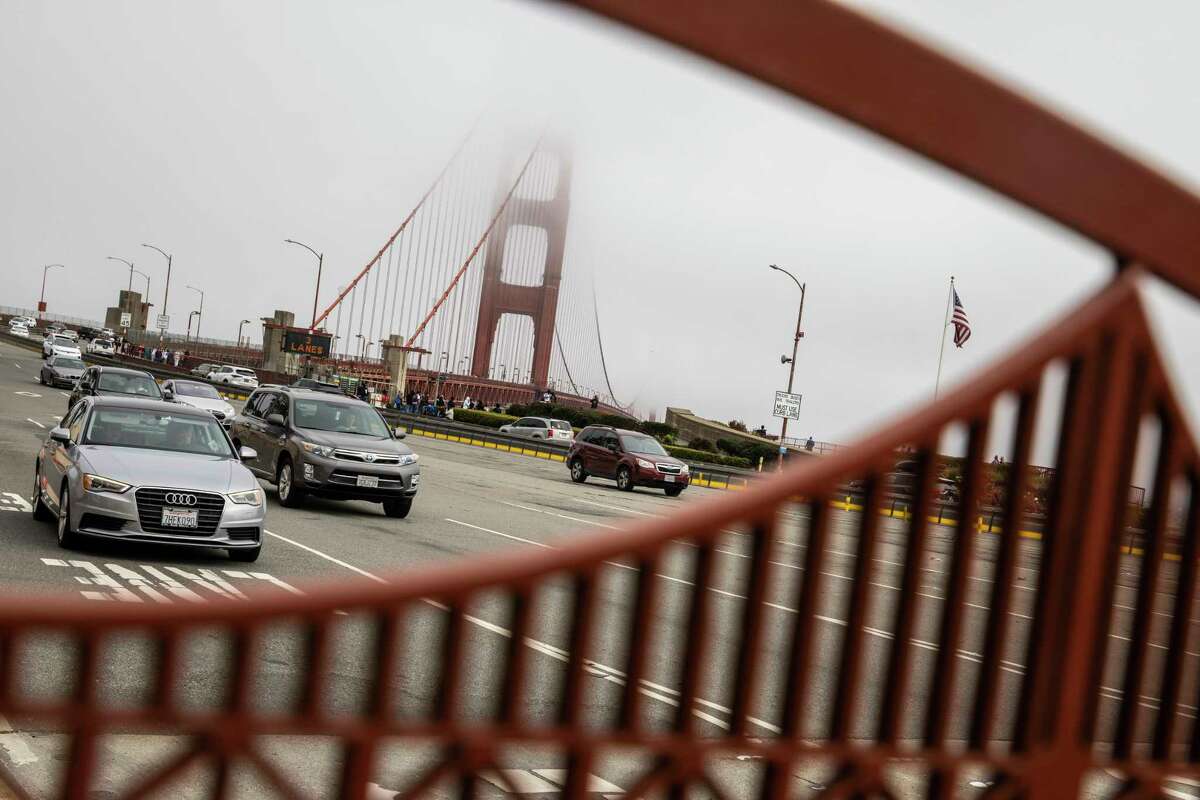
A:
[317,449]
[252,497]
[644,464]
[96,483]
[411,458]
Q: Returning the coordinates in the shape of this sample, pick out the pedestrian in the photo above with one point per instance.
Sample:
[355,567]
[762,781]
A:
[809,444]
[496,409]
[360,391]
[467,402]
[398,400]
[440,406]
[553,397]
[546,396]
[595,401]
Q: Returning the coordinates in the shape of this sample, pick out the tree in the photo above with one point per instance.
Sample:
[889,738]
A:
[738,425]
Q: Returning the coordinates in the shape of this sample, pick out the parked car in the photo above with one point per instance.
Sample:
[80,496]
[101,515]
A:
[61,371]
[102,347]
[106,381]
[243,377]
[202,370]
[87,332]
[18,329]
[200,395]
[145,470]
[315,443]
[628,457]
[544,428]
[58,345]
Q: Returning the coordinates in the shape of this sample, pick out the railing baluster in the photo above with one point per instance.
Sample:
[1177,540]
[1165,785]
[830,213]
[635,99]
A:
[358,756]
[801,652]
[446,700]
[891,722]
[987,697]
[950,628]
[82,764]
[515,661]
[1167,726]
[695,657]
[762,539]
[846,700]
[640,628]
[1139,638]
[316,655]
[582,617]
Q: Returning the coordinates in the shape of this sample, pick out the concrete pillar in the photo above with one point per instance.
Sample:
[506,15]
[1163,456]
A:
[395,356]
[274,358]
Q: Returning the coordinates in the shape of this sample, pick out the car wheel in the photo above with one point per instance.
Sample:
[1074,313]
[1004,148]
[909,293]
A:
[578,473]
[289,494]
[673,491]
[624,479]
[398,508]
[67,538]
[41,512]
[246,555]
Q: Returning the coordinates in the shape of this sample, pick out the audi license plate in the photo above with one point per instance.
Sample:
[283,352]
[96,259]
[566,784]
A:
[368,481]
[180,517]
[669,478]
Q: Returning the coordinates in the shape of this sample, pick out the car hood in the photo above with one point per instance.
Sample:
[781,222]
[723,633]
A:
[142,467]
[351,441]
[206,403]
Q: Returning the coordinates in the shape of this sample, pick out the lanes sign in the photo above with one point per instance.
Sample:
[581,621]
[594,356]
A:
[163,322]
[308,344]
[787,405]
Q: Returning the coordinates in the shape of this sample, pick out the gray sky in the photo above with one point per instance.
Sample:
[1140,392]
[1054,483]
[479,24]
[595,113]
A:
[216,130]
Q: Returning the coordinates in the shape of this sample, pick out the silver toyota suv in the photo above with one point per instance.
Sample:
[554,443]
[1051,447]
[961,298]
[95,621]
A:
[143,470]
[327,445]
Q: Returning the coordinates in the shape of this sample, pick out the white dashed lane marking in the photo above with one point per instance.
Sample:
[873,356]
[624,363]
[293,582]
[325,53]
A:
[35,422]
[161,584]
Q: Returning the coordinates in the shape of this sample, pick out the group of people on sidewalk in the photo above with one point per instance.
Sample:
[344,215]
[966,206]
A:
[415,402]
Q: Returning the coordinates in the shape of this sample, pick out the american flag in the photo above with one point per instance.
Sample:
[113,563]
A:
[962,328]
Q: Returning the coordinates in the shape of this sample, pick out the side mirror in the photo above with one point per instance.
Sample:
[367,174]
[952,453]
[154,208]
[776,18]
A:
[399,433]
[168,394]
[248,454]
[60,435]
[616,448]
[275,419]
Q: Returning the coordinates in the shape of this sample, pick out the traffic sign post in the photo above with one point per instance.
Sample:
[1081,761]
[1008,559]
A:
[787,405]
[163,322]
[126,319]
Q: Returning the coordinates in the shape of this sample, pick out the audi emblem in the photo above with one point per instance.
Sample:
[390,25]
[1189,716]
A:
[180,499]
[368,457]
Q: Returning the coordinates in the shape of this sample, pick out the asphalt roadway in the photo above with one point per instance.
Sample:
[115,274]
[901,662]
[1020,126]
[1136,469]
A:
[476,501]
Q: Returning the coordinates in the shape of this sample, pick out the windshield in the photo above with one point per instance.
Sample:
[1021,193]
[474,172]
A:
[184,389]
[103,342]
[62,341]
[157,430]
[642,444]
[560,425]
[319,415]
[67,363]
[139,385]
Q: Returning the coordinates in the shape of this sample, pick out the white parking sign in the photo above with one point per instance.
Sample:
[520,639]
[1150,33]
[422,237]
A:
[787,405]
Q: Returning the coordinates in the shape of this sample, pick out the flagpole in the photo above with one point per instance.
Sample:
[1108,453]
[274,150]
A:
[942,352]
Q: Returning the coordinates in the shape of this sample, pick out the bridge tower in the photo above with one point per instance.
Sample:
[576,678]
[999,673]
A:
[538,302]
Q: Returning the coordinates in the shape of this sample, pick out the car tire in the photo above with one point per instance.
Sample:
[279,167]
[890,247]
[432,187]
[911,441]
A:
[398,508]
[285,478]
[246,555]
[67,538]
[578,473]
[41,512]
[625,479]
[673,491]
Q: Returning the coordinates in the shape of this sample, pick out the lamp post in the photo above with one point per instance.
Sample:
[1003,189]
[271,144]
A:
[240,324]
[42,298]
[360,338]
[189,327]
[126,263]
[199,313]
[147,277]
[167,288]
[795,345]
[320,263]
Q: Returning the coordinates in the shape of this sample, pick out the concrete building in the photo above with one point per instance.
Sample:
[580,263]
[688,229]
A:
[128,303]
[691,426]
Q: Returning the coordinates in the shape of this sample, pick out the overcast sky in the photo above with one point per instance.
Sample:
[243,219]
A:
[215,130]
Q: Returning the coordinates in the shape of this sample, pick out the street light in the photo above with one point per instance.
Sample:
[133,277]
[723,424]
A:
[199,313]
[320,263]
[167,288]
[147,277]
[360,338]
[128,264]
[42,299]
[240,324]
[189,327]
[792,361]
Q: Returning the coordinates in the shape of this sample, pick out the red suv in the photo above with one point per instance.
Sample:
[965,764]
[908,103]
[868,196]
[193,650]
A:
[631,458]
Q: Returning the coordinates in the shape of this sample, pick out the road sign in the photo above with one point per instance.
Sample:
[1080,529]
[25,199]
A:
[163,322]
[309,344]
[126,319]
[787,405]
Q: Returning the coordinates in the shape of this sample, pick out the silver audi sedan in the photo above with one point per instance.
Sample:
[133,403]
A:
[143,470]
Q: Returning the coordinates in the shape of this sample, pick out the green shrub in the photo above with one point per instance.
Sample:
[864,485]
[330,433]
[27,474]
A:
[485,418]
[689,454]
[659,430]
[701,444]
[752,451]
